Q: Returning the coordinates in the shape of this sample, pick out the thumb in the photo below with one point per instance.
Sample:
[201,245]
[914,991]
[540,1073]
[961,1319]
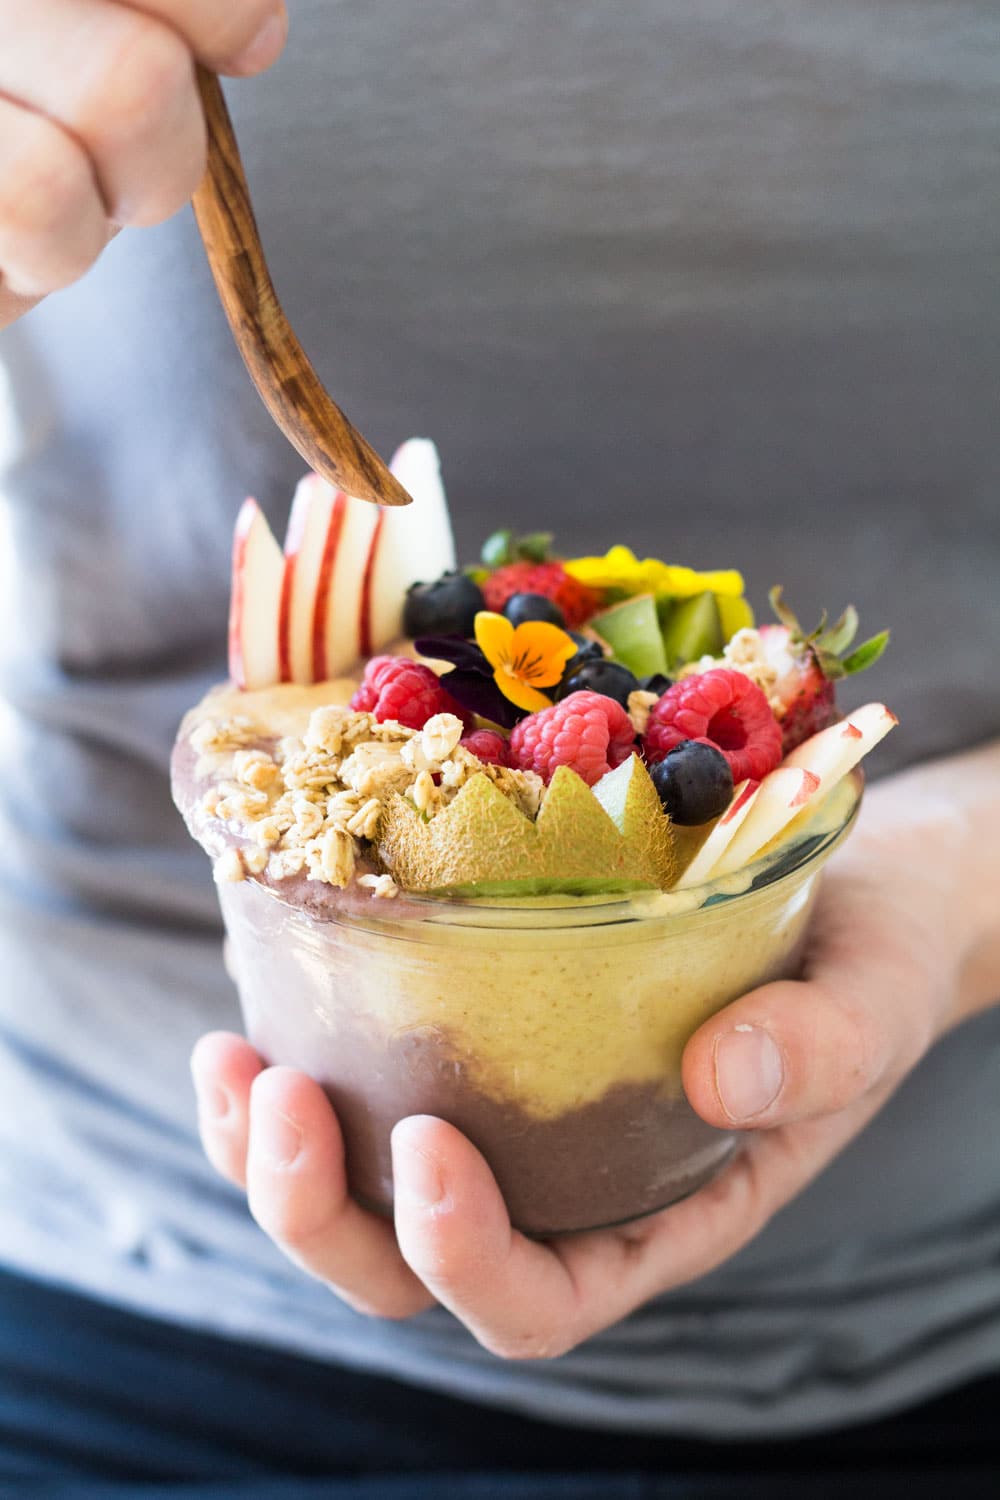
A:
[797,1050]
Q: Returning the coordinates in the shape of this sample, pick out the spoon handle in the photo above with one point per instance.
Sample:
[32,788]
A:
[286,381]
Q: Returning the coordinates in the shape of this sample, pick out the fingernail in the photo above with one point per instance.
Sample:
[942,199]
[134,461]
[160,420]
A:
[277,1138]
[266,45]
[417,1177]
[749,1072]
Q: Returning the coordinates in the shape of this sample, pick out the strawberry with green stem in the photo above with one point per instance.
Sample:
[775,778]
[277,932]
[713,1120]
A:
[809,666]
[524,565]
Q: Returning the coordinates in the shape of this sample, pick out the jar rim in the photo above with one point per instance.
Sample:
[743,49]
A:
[820,836]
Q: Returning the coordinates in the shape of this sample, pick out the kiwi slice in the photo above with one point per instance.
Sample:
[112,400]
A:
[632,630]
[632,802]
[692,629]
[482,845]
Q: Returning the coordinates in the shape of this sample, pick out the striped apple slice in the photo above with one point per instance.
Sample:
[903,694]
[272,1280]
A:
[726,827]
[822,762]
[410,543]
[339,634]
[258,571]
[780,797]
[314,525]
[833,752]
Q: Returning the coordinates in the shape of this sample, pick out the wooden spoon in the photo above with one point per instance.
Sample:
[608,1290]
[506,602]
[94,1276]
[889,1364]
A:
[288,385]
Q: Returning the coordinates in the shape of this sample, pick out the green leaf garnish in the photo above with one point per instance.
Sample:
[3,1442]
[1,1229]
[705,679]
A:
[866,654]
[840,635]
[784,614]
[535,546]
[498,549]
[828,643]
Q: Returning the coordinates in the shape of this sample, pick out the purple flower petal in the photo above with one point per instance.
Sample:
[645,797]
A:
[482,696]
[456,649]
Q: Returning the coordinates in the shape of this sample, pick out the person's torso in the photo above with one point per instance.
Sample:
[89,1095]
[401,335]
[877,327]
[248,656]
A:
[719,282]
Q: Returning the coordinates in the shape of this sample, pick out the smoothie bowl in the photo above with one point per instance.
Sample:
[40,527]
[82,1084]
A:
[466,880]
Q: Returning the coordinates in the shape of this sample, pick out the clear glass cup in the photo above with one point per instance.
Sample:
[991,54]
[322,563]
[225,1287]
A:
[549,1032]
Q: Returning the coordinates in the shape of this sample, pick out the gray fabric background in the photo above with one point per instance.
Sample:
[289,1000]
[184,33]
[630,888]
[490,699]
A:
[717,280]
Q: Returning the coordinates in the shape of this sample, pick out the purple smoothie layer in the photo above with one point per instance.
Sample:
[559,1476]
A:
[638,1147]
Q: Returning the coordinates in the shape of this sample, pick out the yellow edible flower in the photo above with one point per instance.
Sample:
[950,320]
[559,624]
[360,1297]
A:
[524,657]
[621,569]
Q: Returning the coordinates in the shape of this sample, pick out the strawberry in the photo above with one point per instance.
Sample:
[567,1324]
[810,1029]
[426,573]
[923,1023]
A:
[525,565]
[808,666]
[575,599]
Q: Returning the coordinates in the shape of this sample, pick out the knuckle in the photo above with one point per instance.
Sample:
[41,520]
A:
[167,191]
[140,111]
[221,1133]
[441,1264]
[300,1221]
[447,1278]
[761,1207]
[51,220]
[861,1053]
[45,181]
[224,1158]
[284,1221]
[853,1045]
[146,69]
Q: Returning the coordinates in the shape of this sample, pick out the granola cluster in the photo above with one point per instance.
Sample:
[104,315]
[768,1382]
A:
[308,805]
[640,704]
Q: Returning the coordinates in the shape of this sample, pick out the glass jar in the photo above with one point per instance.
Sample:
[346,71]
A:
[549,1031]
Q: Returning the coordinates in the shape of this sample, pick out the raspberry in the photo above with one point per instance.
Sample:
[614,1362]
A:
[366,696]
[586,731]
[575,599]
[395,687]
[488,746]
[721,708]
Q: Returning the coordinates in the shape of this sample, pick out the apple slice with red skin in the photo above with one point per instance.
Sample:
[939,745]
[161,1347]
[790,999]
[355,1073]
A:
[314,525]
[340,636]
[726,827]
[834,751]
[782,794]
[820,762]
[258,571]
[321,630]
[348,566]
[410,544]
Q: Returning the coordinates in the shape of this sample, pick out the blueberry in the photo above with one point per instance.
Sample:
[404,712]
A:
[586,647]
[520,608]
[600,676]
[446,607]
[694,782]
[586,650]
[657,684]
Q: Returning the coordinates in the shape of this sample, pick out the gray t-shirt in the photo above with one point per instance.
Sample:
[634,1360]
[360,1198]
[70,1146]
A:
[716,280]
